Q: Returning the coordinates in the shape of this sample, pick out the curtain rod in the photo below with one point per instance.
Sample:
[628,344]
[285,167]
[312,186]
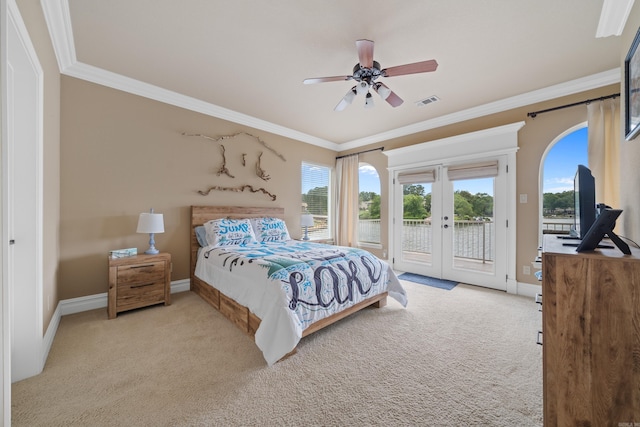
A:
[360,152]
[602,98]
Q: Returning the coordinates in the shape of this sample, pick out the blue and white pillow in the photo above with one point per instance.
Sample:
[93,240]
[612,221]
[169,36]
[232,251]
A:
[201,235]
[269,229]
[229,232]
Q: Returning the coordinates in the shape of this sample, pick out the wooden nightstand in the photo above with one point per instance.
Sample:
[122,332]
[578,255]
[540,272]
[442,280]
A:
[139,281]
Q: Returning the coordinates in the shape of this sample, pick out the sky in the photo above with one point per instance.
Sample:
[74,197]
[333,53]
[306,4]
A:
[369,179]
[562,162]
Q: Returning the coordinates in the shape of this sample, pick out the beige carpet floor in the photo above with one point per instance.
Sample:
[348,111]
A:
[462,357]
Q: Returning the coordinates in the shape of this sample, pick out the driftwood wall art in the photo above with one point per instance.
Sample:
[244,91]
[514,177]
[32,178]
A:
[237,189]
[223,170]
[261,172]
[223,137]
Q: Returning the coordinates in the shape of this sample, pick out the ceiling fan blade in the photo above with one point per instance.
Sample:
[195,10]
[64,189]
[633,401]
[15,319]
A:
[387,94]
[346,100]
[416,67]
[394,100]
[365,53]
[341,105]
[326,79]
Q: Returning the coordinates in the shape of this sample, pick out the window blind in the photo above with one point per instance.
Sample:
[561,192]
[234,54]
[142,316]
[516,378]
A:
[473,170]
[417,177]
[316,192]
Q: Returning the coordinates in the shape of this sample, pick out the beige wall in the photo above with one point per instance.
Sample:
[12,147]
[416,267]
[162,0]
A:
[123,154]
[34,21]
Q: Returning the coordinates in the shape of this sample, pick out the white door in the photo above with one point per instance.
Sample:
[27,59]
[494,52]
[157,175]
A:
[22,198]
[462,236]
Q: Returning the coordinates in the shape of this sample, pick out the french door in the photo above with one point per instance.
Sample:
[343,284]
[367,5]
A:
[450,221]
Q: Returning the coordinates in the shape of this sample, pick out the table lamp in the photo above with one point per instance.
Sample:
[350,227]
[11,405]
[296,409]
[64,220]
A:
[306,221]
[151,223]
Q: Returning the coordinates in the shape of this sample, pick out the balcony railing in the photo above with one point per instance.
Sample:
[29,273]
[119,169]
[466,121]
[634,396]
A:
[472,239]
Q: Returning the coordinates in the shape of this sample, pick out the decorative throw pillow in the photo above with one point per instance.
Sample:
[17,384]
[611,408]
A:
[269,229]
[201,235]
[228,232]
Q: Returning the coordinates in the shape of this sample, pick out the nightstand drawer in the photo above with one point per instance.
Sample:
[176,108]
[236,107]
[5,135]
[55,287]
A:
[141,273]
[139,294]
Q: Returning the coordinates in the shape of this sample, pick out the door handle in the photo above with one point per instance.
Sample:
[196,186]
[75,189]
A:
[12,242]
[445,218]
[446,226]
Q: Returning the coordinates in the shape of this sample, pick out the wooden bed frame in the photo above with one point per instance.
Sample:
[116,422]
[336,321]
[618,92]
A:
[240,315]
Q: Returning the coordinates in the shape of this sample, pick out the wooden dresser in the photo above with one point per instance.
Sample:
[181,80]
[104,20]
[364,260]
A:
[138,281]
[591,336]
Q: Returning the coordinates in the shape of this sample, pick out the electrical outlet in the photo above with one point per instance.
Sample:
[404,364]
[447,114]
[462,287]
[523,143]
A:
[523,198]
[526,270]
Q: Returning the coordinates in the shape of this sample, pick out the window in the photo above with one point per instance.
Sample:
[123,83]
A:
[369,200]
[316,196]
[560,164]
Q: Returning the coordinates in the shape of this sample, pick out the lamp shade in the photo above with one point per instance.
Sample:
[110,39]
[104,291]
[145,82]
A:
[150,223]
[306,220]
[362,87]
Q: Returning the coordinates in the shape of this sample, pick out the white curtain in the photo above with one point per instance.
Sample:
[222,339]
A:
[347,209]
[603,149]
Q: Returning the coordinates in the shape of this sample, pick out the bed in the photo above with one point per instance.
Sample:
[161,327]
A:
[276,289]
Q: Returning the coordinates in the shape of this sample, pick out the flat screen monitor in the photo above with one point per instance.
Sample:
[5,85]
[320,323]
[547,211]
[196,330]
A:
[584,193]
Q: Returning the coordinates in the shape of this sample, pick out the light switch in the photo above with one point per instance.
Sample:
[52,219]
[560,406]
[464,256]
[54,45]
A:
[523,198]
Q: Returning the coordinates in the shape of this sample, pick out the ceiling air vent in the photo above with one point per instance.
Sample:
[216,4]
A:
[427,101]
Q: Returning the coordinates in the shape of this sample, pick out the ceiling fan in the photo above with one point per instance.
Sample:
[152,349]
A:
[365,73]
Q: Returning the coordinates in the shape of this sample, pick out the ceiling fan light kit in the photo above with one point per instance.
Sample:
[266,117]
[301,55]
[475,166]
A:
[366,71]
[368,103]
[382,90]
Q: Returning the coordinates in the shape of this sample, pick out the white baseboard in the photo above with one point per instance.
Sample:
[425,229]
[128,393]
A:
[50,335]
[90,302]
[529,290]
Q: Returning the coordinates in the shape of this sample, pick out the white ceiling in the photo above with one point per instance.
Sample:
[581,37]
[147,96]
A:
[245,60]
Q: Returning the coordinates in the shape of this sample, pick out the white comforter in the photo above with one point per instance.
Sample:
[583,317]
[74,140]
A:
[291,284]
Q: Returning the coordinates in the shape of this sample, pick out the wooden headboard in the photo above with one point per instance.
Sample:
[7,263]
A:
[202,214]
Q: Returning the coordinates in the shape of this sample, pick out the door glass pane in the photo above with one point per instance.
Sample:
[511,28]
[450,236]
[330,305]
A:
[474,228]
[416,222]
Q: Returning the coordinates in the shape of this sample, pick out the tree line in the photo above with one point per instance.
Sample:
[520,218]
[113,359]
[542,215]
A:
[558,204]
[417,204]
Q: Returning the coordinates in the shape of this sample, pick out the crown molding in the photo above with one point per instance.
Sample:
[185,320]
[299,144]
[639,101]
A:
[136,87]
[58,20]
[613,17]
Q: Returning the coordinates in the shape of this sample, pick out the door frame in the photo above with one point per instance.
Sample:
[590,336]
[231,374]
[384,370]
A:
[497,141]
